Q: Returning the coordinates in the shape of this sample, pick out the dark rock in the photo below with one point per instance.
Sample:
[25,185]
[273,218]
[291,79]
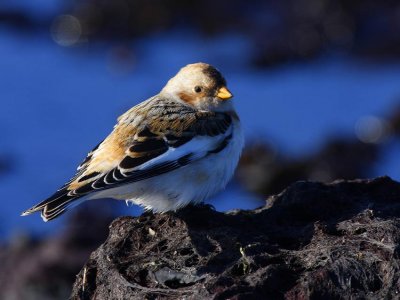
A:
[394,121]
[16,19]
[313,241]
[279,32]
[263,171]
[45,268]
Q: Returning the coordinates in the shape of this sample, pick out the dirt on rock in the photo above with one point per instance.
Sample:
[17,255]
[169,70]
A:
[312,241]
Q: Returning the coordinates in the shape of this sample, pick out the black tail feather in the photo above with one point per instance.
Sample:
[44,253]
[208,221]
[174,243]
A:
[53,206]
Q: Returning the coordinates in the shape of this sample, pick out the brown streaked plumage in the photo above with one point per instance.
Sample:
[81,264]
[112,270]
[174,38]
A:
[156,138]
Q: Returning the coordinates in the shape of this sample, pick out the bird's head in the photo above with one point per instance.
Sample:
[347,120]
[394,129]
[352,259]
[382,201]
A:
[201,86]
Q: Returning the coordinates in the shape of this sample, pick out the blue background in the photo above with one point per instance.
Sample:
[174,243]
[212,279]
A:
[58,102]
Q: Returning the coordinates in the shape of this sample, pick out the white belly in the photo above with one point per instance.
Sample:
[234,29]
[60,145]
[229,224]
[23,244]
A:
[192,183]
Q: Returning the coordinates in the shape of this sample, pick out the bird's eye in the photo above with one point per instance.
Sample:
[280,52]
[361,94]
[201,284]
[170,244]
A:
[198,89]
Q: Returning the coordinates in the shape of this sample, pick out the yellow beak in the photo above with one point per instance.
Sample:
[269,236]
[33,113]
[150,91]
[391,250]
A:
[224,93]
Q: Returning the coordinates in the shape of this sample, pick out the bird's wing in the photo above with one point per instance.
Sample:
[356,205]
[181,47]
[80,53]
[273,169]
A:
[170,135]
[152,138]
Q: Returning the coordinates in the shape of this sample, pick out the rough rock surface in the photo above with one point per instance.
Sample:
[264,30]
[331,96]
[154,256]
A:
[313,241]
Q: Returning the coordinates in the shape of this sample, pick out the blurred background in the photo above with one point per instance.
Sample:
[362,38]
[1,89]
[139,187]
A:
[316,83]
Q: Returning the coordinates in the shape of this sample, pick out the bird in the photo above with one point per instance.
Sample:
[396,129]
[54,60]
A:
[178,147]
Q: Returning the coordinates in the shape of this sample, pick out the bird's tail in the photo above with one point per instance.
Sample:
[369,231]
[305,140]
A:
[55,205]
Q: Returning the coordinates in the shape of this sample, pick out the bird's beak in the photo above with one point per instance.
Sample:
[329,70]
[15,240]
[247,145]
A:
[224,94]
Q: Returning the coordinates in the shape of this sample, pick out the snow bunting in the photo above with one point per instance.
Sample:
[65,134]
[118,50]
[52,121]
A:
[177,147]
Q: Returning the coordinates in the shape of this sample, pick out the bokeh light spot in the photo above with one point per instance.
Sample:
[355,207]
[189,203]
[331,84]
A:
[66,30]
[371,129]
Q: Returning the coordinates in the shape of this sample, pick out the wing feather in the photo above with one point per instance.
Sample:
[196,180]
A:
[152,138]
